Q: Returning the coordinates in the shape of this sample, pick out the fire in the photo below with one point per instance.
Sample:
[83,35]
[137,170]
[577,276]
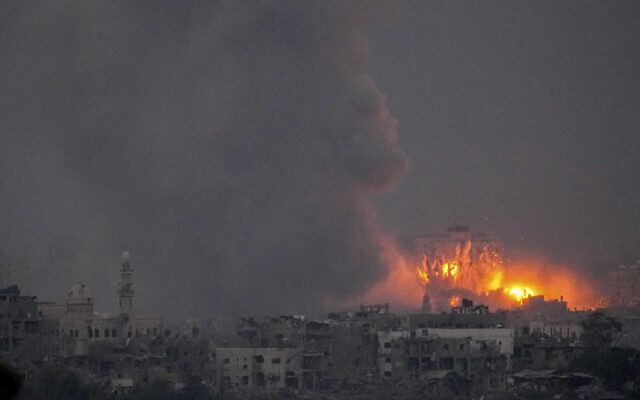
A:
[477,273]
[489,281]
[450,269]
[520,293]
[424,276]
[460,273]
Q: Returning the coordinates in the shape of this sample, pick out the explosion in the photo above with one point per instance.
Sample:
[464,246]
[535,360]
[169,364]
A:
[489,281]
[520,293]
[447,274]
[451,269]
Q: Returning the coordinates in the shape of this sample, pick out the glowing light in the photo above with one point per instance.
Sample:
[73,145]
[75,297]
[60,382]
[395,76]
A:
[454,301]
[519,293]
[450,269]
[423,275]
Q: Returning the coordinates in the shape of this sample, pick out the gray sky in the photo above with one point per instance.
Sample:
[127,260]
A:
[521,118]
[236,148]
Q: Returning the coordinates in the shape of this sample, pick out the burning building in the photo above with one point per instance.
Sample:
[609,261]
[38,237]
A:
[462,264]
[459,244]
[465,264]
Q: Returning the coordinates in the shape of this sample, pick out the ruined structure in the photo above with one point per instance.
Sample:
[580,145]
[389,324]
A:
[466,316]
[73,330]
[479,357]
[459,243]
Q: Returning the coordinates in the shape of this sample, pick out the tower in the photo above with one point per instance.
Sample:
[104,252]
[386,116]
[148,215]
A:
[126,285]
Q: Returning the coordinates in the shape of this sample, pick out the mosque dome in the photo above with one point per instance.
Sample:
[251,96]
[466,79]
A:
[79,294]
[126,256]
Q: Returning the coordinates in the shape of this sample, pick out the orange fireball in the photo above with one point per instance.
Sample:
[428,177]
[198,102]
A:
[520,293]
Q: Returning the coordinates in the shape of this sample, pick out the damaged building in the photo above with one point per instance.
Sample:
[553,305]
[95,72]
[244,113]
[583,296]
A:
[459,243]
[309,354]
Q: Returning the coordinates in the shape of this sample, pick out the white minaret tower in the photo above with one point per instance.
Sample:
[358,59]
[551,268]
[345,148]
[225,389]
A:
[126,285]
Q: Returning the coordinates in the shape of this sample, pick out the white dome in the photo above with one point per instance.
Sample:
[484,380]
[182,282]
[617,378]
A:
[126,256]
[80,294]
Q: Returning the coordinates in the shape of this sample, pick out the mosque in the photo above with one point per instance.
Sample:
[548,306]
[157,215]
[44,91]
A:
[71,328]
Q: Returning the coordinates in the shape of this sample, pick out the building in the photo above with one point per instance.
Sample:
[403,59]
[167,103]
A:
[481,357]
[503,337]
[625,285]
[69,329]
[19,322]
[464,317]
[459,244]
[268,367]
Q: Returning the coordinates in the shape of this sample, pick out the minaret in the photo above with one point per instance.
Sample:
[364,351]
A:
[126,285]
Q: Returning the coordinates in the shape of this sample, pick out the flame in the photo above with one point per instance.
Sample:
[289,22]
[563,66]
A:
[489,281]
[454,301]
[423,275]
[485,279]
[450,269]
[520,293]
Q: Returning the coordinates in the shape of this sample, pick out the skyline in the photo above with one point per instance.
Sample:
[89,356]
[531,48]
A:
[253,149]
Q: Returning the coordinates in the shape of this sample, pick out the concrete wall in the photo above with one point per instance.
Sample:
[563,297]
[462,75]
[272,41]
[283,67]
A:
[266,366]
[502,336]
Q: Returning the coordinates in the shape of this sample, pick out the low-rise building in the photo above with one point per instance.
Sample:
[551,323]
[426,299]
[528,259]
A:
[268,367]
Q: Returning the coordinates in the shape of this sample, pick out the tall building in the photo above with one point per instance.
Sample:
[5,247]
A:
[459,244]
[126,285]
[625,285]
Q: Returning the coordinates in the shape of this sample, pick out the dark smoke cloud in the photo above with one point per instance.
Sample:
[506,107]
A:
[232,146]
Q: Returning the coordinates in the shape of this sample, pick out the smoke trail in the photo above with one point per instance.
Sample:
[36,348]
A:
[233,146]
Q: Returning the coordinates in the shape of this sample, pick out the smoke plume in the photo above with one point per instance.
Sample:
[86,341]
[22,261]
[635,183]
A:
[233,147]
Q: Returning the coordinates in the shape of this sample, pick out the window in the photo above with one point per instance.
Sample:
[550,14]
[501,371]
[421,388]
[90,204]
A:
[275,361]
[96,333]
[387,345]
[225,361]
[106,333]
[114,333]
[89,332]
[387,360]
[387,373]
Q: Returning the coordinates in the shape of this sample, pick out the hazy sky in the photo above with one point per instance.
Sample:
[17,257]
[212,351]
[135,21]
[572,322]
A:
[521,118]
[253,156]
